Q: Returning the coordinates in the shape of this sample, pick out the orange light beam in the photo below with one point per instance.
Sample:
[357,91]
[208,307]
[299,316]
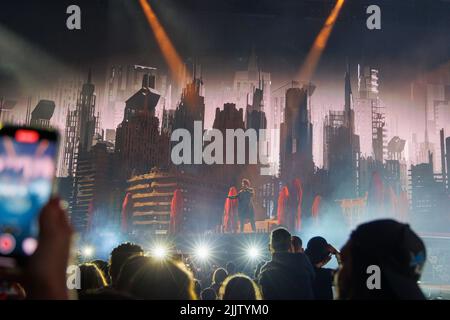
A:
[169,52]
[313,57]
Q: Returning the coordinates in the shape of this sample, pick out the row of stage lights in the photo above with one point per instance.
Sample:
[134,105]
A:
[202,252]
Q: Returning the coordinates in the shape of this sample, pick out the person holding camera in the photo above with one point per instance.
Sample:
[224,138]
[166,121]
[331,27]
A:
[320,252]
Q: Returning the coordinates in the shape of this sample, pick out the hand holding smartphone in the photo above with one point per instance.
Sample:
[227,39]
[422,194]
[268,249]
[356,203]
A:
[27,172]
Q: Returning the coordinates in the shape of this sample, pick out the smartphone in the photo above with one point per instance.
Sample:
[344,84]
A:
[27,174]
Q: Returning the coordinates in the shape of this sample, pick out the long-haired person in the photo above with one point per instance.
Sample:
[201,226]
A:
[91,278]
[163,280]
[239,287]
[218,277]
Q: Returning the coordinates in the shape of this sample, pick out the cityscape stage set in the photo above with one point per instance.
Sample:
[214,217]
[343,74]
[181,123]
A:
[344,132]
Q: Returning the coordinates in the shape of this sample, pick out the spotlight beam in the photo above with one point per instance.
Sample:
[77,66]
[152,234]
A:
[314,54]
[165,44]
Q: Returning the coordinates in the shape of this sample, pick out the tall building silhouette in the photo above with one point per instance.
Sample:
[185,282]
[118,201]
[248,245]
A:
[246,81]
[65,93]
[91,205]
[191,109]
[341,148]
[369,115]
[139,145]
[121,83]
[81,126]
[229,118]
[429,202]
[87,160]
[255,117]
[252,90]
[296,160]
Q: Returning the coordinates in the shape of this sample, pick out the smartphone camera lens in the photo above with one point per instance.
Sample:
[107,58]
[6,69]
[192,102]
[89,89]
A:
[7,243]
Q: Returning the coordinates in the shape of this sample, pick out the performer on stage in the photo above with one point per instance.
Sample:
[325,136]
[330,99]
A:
[245,204]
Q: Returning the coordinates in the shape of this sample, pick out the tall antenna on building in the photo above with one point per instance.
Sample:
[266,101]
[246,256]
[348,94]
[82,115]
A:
[443,153]
[426,128]
[28,114]
[259,78]
[348,88]
[1,107]
[89,76]
[194,70]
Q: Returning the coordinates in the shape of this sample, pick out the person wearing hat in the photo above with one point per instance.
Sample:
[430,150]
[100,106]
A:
[390,247]
[320,252]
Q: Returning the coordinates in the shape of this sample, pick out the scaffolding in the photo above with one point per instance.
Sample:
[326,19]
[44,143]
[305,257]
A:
[378,131]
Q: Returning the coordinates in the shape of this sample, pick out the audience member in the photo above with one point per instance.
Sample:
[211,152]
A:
[239,287]
[297,244]
[208,294]
[219,275]
[103,266]
[163,280]
[129,269]
[390,248]
[119,255]
[197,286]
[382,260]
[288,276]
[91,278]
[319,253]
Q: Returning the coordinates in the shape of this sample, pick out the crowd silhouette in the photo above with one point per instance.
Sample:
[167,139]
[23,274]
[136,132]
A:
[291,273]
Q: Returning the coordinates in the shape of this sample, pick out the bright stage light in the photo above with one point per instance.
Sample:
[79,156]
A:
[253,252]
[202,252]
[88,251]
[312,59]
[168,50]
[159,252]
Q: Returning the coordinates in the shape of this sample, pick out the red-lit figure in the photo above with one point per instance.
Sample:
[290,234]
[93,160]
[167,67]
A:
[297,204]
[282,205]
[316,208]
[290,206]
[230,216]
[176,212]
[126,206]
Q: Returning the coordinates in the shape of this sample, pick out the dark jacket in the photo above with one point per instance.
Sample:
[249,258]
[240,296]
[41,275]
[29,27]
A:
[323,284]
[245,203]
[288,276]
